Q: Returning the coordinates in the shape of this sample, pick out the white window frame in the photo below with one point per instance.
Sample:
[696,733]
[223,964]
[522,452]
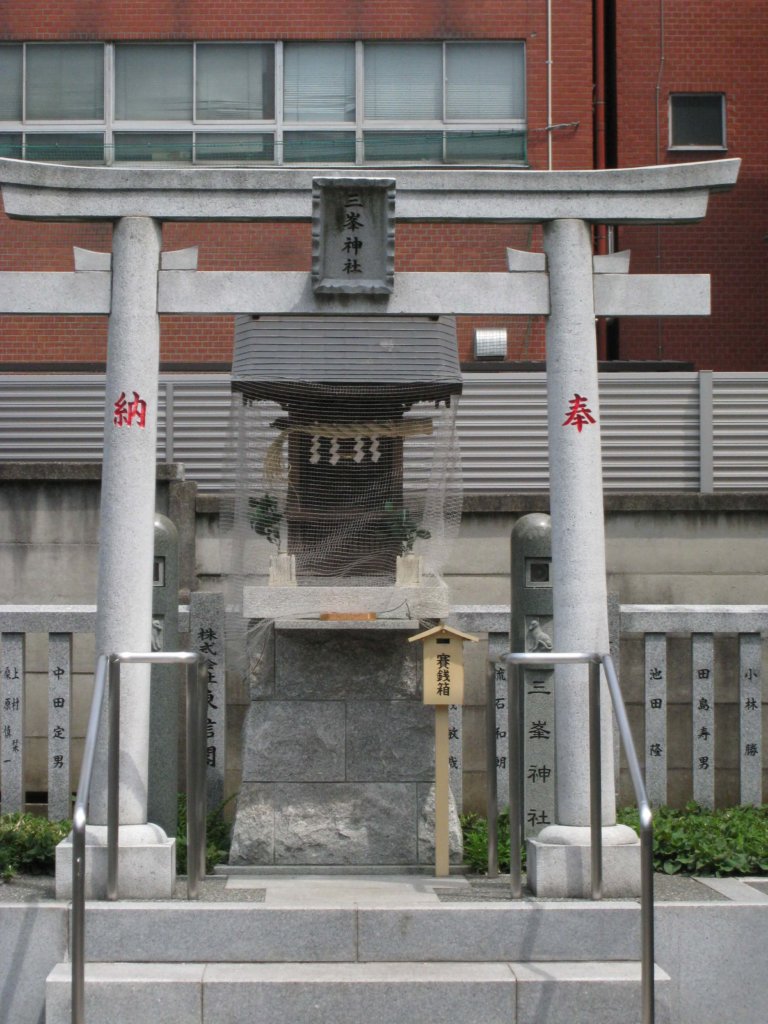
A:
[109,126]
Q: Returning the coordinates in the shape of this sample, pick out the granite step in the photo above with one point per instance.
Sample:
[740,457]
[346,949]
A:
[490,932]
[587,992]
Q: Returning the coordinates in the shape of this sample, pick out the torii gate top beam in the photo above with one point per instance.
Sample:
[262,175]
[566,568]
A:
[672,194]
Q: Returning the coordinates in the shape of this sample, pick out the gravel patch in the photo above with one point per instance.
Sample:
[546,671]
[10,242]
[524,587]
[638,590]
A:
[666,888]
[41,888]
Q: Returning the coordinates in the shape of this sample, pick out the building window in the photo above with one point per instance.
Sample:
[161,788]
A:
[459,102]
[144,147]
[64,82]
[697,120]
[153,83]
[485,81]
[11,64]
[316,103]
[319,82]
[403,81]
[65,147]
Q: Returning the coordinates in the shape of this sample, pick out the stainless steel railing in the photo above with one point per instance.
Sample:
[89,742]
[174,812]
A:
[595,789]
[107,681]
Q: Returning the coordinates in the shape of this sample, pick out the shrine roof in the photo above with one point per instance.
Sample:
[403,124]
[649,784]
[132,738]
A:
[414,353]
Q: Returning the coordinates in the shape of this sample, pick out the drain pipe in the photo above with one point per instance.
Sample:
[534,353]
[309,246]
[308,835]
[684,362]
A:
[662,59]
[601,230]
[549,85]
[600,146]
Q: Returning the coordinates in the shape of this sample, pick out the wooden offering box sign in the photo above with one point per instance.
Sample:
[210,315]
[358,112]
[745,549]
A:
[443,649]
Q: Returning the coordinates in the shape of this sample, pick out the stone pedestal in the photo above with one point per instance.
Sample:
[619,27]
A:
[146,860]
[338,750]
[559,862]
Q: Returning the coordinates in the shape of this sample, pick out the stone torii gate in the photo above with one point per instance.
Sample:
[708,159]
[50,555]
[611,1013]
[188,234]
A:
[566,284]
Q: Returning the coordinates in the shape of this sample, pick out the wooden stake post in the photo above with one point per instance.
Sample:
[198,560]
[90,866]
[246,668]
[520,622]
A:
[443,650]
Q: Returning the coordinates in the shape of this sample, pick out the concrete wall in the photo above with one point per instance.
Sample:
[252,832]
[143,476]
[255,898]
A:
[49,520]
[662,548]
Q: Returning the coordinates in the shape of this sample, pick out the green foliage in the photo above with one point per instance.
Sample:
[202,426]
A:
[401,527]
[475,830]
[28,844]
[692,841]
[264,517]
[217,834]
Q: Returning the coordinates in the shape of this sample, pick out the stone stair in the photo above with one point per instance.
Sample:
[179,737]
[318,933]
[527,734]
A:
[381,952]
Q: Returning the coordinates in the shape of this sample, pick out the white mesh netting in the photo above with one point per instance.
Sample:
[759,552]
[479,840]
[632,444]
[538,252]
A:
[334,487]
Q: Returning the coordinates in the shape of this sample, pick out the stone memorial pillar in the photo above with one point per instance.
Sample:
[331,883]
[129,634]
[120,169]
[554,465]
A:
[166,680]
[531,630]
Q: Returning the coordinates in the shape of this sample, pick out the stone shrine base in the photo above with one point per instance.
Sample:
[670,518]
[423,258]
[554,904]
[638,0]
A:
[346,824]
[393,603]
[338,750]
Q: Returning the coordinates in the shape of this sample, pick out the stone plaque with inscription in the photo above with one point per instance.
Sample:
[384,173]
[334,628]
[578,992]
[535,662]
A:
[353,236]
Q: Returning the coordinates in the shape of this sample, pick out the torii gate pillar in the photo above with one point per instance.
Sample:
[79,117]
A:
[124,588]
[558,859]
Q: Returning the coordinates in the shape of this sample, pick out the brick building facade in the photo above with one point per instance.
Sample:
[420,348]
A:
[650,51]
[663,53]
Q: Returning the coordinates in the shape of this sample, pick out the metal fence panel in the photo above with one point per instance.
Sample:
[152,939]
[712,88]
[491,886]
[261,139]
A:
[740,431]
[650,427]
[201,405]
[502,428]
[650,431]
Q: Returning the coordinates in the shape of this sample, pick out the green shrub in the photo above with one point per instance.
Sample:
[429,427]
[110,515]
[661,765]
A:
[690,841]
[475,830]
[218,837]
[28,844]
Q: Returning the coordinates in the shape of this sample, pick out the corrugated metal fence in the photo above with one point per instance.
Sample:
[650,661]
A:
[661,431]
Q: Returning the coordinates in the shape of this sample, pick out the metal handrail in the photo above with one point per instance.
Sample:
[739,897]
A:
[107,678]
[594,661]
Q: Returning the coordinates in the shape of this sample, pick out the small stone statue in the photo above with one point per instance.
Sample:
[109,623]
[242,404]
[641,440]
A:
[538,640]
[157,634]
